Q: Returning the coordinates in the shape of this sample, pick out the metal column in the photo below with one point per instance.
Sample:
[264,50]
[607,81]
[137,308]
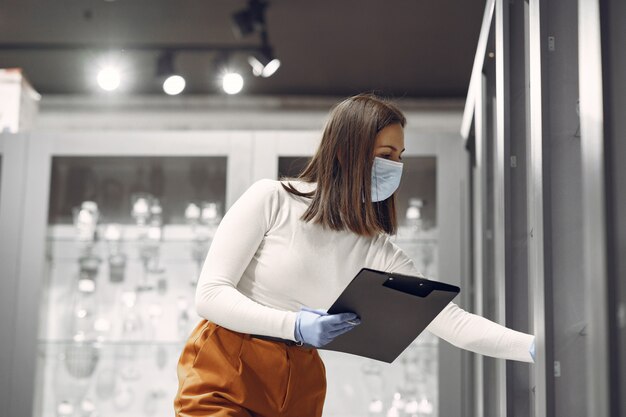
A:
[501,234]
[538,214]
[613,33]
[518,312]
[594,224]
[11,214]
[479,217]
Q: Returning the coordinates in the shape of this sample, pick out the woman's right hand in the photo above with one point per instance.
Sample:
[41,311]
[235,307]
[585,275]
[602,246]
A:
[318,328]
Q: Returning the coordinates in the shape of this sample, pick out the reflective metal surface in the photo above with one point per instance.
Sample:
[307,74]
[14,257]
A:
[594,206]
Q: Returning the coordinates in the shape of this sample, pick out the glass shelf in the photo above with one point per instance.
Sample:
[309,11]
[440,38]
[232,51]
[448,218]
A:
[140,379]
[104,343]
[111,379]
[180,233]
[129,233]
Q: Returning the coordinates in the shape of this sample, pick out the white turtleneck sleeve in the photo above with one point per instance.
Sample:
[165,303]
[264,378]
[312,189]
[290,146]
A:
[466,330]
[236,241]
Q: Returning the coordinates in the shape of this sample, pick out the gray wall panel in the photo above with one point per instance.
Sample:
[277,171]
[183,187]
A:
[31,270]
[517,306]
[11,215]
[478,232]
[594,209]
[613,15]
[566,212]
[450,173]
[490,369]
[539,208]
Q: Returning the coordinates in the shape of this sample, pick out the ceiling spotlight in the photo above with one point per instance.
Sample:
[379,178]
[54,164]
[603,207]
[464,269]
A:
[263,62]
[249,20]
[173,83]
[232,83]
[109,78]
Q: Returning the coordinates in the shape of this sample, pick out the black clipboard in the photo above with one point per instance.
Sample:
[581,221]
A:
[394,309]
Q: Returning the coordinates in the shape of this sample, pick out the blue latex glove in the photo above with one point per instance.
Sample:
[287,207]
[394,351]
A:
[532,350]
[318,328]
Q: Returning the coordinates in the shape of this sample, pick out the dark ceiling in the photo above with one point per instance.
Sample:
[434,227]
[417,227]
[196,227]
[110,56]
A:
[399,48]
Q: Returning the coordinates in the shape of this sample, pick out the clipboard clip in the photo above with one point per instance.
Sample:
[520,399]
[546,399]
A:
[409,285]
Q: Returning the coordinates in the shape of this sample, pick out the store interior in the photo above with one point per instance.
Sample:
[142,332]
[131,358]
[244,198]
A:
[128,129]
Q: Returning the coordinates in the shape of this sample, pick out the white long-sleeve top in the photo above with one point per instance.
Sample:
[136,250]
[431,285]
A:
[264,263]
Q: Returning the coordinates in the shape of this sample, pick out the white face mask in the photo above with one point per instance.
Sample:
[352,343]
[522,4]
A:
[386,176]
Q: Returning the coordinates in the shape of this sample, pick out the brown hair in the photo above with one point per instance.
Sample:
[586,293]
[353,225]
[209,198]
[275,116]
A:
[342,168]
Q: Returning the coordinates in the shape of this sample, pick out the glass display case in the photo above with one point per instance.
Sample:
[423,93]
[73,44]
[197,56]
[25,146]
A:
[127,237]
[123,221]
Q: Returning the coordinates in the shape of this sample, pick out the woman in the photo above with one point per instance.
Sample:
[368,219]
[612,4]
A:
[286,246]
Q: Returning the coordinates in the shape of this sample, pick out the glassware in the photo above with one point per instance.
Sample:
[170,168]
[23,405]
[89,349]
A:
[85,220]
[192,213]
[117,258]
[140,203]
[414,214]
[211,213]
[428,255]
[132,334]
[84,309]
[150,305]
[151,402]
[161,281]
[132,325]
[89,263]
[199,249]
[397,405]
[65,409]
[71,375]
[149,249]
[412,371]
[87,408]
[124,396]
[81,359]
[183,317]
[105,383]
[203,222]
[161,356]
[372,375]
[156,213]
[424,406]
[117,267]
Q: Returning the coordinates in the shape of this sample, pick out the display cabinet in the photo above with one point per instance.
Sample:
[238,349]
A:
[113,229]
[126,240]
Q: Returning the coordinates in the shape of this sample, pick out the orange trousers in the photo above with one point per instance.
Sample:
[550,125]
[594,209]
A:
[224,373]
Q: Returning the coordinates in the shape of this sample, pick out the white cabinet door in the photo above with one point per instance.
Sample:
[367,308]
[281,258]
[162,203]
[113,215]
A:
[26,210]
[270,146]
